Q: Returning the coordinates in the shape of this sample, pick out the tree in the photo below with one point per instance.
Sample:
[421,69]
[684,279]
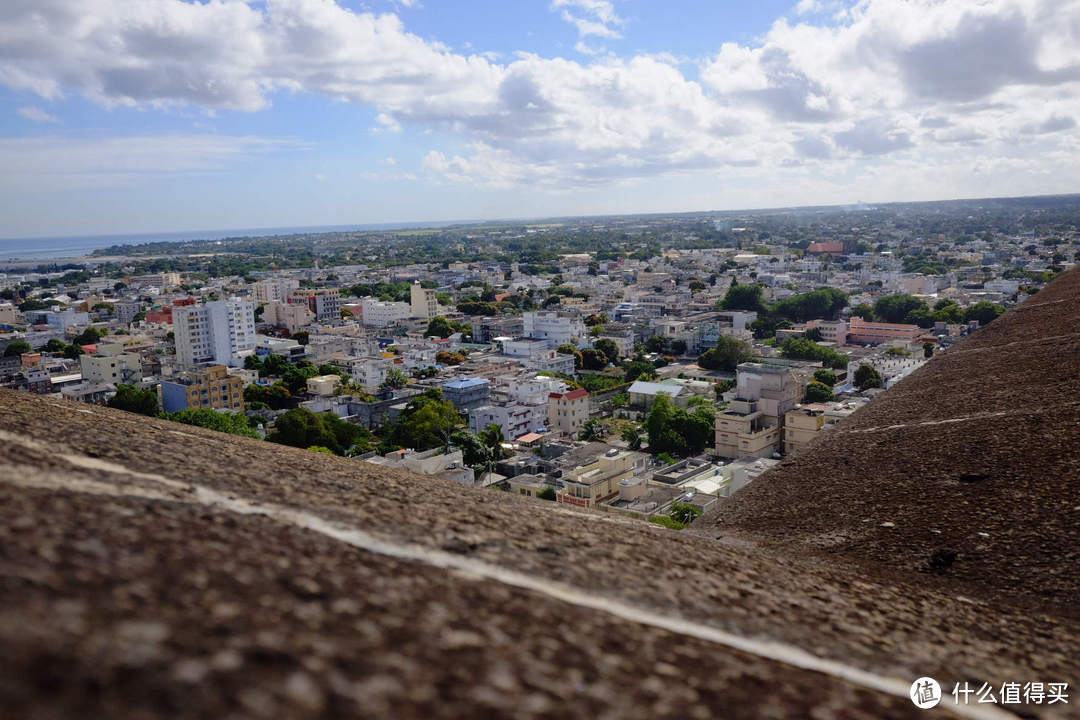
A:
[817,392]
[655,344]
[672,429]
[597,319]
[395,380]
[301,336]
[638,369]
[593,430]
[276,396]
[983,311]
[73,351]
[825,376]
[89,336]
[547,493]
[632,436]
[444,357]
[799,348]
[474,453]
[921,317]
[593,359]
[302,428]
[16,347]
[678,347]
[684,513]
[132,399]
[867,377]
[727,354]
[439,327]
[928,349]
[609,348]
[55,346]
[864,311]
[821,303]
[743,297]
[427,422]
[895,308]
[234,424]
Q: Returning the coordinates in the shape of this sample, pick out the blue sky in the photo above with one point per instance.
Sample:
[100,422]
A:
[182,115]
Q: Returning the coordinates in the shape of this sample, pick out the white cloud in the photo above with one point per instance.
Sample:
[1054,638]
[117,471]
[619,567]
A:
[35,114]
[590,17]
[909,83]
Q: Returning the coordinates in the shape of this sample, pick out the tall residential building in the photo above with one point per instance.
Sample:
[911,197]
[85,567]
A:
[212,387]
[567,412]
[222,331]
[325,303]
[273,289]
[424,304]
[377,313]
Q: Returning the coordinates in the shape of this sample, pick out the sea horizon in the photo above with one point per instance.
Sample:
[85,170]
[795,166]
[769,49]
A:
[75,246]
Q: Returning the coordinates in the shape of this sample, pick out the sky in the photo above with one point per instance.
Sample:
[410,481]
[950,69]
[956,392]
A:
[129,116]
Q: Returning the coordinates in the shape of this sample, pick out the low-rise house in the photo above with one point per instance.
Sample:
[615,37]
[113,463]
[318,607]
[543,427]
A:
[597,480]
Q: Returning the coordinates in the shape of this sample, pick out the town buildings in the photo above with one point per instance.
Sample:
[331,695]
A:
[222,331]
[207,387]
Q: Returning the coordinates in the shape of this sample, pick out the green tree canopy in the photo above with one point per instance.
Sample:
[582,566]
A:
[800,348]
[867,377]
[302,428]
[593,359]
[609,348]
[427,422]
[743,297]
[817,392]
[895,308]
[439,327]
[985,312]
[133,399]
[672,429]
[820,303]
[825,376]
[17,347]
[727,354]
[234,424]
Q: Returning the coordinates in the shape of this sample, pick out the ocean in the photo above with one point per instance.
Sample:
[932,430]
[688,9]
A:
[66,247]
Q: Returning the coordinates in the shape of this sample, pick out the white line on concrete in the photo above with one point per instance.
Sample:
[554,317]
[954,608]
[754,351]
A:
[207,497]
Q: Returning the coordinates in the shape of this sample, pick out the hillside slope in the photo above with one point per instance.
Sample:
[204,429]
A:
[967,471]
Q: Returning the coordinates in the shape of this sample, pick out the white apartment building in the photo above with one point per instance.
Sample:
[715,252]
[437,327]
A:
[554,327]
[424,304]
[221,332]
[111,365]
[273,290]
[376,313]
[515,419]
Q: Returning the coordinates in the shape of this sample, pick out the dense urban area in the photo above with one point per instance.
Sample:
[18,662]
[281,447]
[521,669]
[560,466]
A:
[646,365]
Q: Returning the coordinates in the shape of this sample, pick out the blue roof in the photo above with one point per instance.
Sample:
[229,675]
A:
[467,383]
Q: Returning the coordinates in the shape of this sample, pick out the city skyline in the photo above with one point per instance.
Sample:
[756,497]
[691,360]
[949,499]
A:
[181,117]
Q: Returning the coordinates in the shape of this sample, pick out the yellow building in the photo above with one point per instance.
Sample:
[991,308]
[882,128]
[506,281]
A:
[212,387]
[743,430]
[597,480]
[801,426]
